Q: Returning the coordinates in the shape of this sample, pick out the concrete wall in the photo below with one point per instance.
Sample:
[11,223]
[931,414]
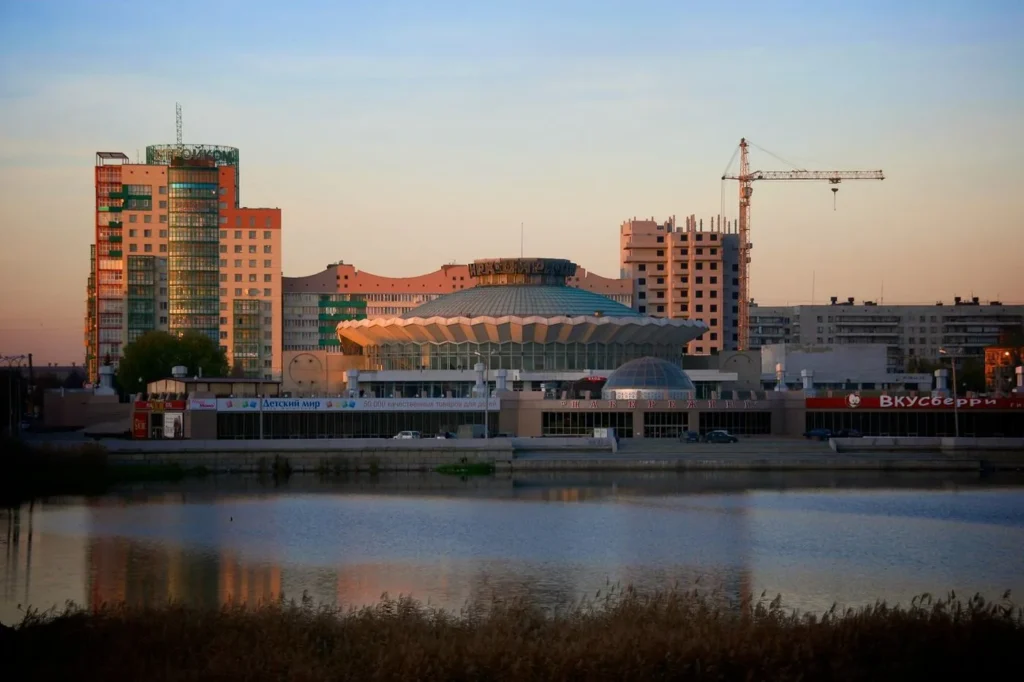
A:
[81,409]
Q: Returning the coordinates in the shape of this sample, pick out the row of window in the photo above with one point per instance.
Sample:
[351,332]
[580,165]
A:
[267,234]
[698,236]
[252,277]
[252,248]
[249,292]
[146,218]
[267,263]
[642,267]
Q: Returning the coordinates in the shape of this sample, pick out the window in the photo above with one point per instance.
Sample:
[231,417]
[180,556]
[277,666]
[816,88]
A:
[163,234]
[252,234]
[223,306]
[132,248]
[642,309]
[238,262]
[147,233]
[163,203]
[163,218]
[163,189]
[267,278]
[642,281]
[714,266]
[223,205]
[269,222]
[266,249]
[661,308]
[223,191]
[714,336]
[163,320]
[661,266]
[699,280]
[266,292]
[238,234]
[163,291]
[163,248]
[238,277]
[252,248]
[700,266]
[133,218]
[683,252]
[642,267]
[148,248]
[641,295]
[238,292]
[252,277]
[268,321]
[714,293]
[659,294]
[131,232]
[700,308]
[661,280]
[223,220]
[163,305]
[661,240]
[268,264]
[238,221]
[223,234]
[252,262]
[224,292]
[714,280]
[714,308]
[714,252]
[223,248]
[660,253]
[223,262]
[238,248]
[252,221]
[223,335]
[148,218]
[700,252]
[223,277]
[699,293]
[266,233]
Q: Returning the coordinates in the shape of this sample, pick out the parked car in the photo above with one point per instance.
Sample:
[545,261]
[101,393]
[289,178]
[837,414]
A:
[720,436]
[690,437]
[847,433]
[818,434]
[444,434]
[407,435]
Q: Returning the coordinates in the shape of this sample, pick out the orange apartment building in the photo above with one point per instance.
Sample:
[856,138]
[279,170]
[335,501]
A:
[686,271]
[175,252]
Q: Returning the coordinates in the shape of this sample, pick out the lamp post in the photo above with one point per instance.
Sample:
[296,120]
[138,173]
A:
[487,390]
[956,409]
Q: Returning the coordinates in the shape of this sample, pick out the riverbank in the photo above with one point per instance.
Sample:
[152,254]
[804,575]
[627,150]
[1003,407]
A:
[620,637]
[30,471]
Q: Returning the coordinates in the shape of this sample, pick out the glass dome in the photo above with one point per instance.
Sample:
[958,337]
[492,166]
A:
[648,379]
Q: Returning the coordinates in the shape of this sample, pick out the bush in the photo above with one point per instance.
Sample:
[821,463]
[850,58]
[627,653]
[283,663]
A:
[627,636]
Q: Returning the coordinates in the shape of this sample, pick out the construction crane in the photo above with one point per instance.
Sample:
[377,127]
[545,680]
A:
[746,179]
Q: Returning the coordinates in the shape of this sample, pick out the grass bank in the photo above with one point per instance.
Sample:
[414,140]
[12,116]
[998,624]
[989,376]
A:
[29,471]
[678,636]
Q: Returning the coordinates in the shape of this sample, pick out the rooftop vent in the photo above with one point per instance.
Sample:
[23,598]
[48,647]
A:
[179,371]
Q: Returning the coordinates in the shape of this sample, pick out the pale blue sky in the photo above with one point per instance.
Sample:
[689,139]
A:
[399,135]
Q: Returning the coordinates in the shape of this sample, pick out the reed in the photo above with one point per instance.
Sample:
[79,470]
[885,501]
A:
[628,636]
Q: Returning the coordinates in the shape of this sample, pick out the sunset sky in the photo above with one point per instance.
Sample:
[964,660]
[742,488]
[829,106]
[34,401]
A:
[398,136]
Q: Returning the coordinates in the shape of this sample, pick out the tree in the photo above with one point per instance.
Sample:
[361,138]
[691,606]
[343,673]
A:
[151,357]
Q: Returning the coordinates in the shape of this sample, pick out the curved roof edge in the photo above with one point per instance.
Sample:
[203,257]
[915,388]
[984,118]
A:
[530,319]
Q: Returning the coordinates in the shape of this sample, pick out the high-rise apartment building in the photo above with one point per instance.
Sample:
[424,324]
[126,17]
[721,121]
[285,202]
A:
[174,251]
[965,328]
[686,271]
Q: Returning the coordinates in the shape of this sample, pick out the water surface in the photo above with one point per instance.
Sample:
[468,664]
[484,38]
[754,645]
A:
[816,538]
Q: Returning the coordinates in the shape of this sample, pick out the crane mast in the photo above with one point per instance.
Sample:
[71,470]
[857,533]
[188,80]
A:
[746,179]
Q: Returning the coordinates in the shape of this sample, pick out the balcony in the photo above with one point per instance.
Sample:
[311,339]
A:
[115,253]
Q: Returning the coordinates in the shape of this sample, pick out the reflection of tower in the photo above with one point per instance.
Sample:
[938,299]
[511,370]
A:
[247,584]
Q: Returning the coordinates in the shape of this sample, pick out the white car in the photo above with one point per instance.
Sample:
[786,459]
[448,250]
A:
[407,435]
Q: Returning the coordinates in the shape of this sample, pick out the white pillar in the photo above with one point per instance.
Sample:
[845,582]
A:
[807,378]
[501,380]
[479,389]
[106,386]
[1020,379]
[352,383]
[780,378]
[942,382]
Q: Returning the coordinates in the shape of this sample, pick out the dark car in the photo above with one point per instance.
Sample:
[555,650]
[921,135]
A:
[848,433]
[720,436]
[690,437]
[819,434]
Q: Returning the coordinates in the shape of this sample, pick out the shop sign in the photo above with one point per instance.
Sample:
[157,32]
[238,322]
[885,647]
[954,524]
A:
[356,404]
[160,405]
[660,404]
[202,404]
[912,402]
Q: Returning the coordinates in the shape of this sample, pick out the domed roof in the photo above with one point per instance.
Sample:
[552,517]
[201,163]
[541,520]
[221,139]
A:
[647,378]
[521,301]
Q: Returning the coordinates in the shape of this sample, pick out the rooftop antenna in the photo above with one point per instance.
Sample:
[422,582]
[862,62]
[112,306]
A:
[177,122]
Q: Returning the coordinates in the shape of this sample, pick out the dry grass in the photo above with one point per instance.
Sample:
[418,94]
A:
[674,636]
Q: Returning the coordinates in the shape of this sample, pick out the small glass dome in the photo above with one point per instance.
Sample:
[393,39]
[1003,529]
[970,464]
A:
[648,379]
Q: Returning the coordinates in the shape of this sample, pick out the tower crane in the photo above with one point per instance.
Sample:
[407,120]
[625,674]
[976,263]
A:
[746,179]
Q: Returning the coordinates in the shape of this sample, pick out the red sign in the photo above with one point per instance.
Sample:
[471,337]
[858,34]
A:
[161,405]
[912,402]
[140,426]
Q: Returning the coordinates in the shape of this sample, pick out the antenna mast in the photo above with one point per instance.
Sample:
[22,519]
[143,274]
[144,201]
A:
[177,122]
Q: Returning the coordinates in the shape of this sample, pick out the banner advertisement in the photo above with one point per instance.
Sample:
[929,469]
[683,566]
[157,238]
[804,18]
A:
[202,404]
[160,405]
[357,404]
[174,425]
[912,402]
[662,404]
[140,426]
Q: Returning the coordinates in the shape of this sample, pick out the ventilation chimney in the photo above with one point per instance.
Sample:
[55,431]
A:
[179,371]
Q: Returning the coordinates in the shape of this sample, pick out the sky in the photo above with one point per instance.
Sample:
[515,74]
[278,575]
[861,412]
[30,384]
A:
[399,136]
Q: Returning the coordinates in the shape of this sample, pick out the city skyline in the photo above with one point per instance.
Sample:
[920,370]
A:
[386,134]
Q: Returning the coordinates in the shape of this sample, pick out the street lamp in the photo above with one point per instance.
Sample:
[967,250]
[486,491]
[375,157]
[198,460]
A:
[487,390]
[956,410]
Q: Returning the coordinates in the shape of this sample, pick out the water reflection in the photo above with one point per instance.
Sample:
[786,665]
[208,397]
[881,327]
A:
[549,539]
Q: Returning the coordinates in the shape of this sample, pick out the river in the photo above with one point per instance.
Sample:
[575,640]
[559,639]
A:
[814,538]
